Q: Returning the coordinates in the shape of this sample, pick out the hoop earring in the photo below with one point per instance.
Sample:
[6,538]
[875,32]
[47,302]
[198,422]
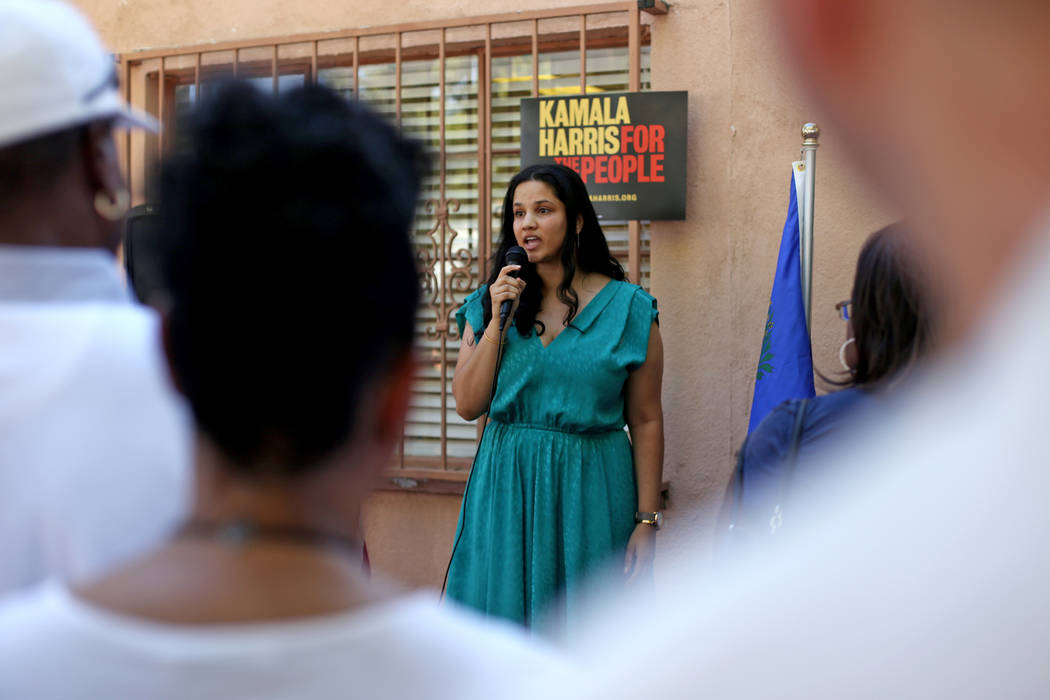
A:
[842,355]
[112,208]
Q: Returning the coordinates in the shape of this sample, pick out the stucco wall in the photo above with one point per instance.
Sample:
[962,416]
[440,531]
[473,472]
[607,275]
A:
[129,25]
[711,273]
[410,535]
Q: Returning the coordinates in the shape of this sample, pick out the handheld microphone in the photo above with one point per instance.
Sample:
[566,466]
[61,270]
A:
[515,256]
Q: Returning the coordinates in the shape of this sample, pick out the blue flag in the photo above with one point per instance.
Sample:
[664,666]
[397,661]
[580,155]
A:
[785,365]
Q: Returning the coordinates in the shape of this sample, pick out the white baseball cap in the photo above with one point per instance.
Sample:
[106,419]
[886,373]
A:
[55,73]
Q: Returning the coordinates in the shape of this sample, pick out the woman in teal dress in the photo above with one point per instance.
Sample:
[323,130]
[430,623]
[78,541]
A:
[558,488]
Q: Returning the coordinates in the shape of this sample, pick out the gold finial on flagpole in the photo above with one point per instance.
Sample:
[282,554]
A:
[810,133]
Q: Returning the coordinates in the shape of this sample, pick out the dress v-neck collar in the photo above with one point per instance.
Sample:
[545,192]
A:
[586,316]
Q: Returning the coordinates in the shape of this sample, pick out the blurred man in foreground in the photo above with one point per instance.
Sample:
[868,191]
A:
[924,573]
[94,447]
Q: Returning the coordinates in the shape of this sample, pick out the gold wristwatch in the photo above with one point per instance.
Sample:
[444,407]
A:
[654,518]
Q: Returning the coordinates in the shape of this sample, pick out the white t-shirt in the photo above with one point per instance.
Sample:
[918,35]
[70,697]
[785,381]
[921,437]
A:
[94,443]
[54,646]
[921,571]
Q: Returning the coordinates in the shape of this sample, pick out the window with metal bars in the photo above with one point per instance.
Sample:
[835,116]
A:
[456,88]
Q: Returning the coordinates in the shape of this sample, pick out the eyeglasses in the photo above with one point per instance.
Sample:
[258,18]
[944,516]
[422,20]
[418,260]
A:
[844,308]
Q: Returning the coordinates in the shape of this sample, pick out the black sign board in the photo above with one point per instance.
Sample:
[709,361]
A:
[629,148]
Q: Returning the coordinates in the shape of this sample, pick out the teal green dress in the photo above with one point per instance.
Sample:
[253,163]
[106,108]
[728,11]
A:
[553,494]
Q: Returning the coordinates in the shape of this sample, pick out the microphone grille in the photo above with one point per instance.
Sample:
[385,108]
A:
[516,256]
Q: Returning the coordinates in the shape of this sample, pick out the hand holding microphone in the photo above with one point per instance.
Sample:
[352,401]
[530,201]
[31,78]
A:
[507,288]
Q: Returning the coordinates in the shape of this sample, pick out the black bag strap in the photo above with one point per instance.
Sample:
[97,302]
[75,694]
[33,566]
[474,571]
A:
[789,467]
[796,440]
[735,490]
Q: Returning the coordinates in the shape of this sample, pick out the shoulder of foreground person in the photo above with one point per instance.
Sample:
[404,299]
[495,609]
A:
[111,356]
[56,646]
[97,447]
[74,340]
[505,647]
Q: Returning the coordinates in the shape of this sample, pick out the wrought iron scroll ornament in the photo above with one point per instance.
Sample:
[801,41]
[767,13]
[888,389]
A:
[447,274]
[428,256]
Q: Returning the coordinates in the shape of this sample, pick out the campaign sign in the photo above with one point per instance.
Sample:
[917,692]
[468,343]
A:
[629,148]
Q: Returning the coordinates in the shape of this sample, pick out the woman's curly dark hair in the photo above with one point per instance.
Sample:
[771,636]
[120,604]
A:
[587,251]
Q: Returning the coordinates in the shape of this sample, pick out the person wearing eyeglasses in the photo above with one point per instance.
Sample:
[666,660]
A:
[888,329]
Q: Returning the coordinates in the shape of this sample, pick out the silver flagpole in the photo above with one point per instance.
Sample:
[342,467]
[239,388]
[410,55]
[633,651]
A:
[810,136]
